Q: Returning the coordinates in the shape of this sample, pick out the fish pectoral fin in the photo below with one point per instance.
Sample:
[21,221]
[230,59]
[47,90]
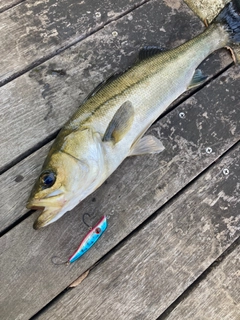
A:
[197,79]
[120,123]
[147,144]
[148,52]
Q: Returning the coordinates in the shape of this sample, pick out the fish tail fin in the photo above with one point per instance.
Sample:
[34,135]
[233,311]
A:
[229,17]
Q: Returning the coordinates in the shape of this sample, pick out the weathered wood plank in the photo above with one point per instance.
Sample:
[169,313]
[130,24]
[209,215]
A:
[6,4]
[207,11]
[38,103]
[207,112]
[216,297]
[15,187]
[34,31]
[152,268]
[141,185]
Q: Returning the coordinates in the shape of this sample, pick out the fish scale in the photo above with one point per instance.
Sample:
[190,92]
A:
[109,126]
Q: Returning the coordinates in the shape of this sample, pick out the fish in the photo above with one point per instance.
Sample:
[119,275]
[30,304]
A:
[109,126]
[90,239]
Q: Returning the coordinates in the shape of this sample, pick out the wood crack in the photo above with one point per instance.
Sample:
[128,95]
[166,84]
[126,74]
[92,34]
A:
[63,48]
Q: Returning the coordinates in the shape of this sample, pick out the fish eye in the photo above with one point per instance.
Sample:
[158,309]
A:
[48,179]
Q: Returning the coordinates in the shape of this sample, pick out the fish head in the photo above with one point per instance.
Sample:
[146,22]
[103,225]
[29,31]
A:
[74,168]
[54,193]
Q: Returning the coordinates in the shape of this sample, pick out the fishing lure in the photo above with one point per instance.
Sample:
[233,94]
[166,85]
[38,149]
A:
[88,241]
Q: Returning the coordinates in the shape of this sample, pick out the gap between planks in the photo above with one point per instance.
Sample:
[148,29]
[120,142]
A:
[181,100]
[6,5]
[174,105]
[123,242]
[21,248]
[212,296]
[46,99]
[16,183]
[156,264]
[186,295]
[18,228]
[57,50]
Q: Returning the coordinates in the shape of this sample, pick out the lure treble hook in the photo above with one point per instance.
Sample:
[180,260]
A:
[90,216]
[84,221]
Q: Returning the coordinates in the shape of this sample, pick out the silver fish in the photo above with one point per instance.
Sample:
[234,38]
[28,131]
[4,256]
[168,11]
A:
[109,126]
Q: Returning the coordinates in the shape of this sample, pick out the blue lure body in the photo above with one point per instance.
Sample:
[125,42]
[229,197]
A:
[88,241]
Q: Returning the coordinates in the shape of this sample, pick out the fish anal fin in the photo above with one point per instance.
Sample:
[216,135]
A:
[147,144]
[148,52]
[120,123]
[197,79]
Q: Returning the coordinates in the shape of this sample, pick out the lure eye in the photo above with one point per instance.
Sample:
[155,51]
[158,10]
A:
[98,230]
[48,179]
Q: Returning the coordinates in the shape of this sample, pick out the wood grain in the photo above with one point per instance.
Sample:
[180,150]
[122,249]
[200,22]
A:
[16,184]
[34,31]
[217,296]
[6,4]
[207,113]
[38,103]
[207,10]
[154,267]
[29,279]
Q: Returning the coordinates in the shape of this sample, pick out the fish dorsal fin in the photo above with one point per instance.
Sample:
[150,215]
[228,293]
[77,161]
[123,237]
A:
[148,52]
[147,144]
[197,79]
[120,123]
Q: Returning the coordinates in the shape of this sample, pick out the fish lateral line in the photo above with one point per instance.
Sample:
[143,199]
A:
[109,127]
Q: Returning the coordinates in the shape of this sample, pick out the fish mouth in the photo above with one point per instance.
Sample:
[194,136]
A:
[48,214]
[51,208]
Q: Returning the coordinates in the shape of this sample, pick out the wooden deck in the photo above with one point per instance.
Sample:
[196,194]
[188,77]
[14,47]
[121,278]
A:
[172,247]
